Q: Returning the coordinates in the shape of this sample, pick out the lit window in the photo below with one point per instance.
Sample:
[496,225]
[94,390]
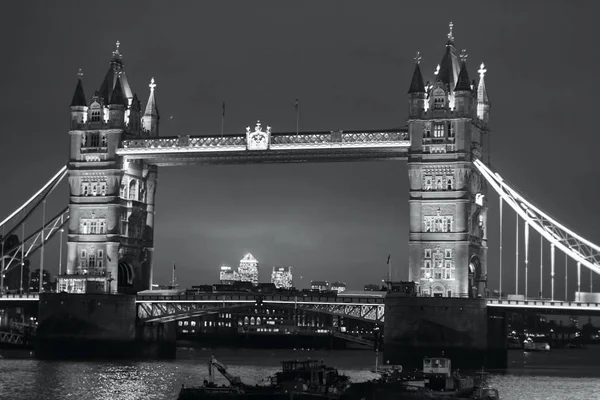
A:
[438,130]
[438,103]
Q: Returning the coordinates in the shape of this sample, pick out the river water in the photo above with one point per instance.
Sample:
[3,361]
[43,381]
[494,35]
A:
[558,375]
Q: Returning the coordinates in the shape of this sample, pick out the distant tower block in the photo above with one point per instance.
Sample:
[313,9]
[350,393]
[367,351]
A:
[281,277]
[227,275]
[248,269]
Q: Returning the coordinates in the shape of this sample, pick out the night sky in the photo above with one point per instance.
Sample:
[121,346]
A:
[350,64]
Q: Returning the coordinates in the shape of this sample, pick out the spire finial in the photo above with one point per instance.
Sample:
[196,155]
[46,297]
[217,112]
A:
[418,57]
[482,71]
[450,37]
[463,55]
[80,73]
[116,54]
[152,85]
[437,70]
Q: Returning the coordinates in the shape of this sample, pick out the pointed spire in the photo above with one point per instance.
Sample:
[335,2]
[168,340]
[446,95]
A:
[117,97]
[449,66]
[151,108]
[416,85]
[463,83]
[482,96]
[78,96]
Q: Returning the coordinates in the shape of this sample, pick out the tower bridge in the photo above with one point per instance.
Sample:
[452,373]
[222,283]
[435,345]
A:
[116,152]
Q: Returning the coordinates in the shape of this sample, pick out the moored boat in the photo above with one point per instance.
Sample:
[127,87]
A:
[299,379]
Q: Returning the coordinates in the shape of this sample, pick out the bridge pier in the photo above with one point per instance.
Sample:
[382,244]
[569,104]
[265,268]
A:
[97,326]
[462,329]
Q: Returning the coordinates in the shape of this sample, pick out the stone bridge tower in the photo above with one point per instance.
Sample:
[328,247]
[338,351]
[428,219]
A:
[111,203]
[448,125]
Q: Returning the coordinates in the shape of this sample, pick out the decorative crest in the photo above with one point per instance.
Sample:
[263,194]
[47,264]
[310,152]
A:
[80,74]
[152,85]
[463,55]
[450,37]
[418,57]
[437,70]
[259,139]
[482,71]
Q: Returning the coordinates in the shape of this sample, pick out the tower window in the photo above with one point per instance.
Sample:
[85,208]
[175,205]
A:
[451,130]
[94,140]
[96,116]
[104,140]
[438,103]
[438,130]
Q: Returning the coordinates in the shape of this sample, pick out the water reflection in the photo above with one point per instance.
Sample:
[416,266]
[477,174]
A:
[561,374]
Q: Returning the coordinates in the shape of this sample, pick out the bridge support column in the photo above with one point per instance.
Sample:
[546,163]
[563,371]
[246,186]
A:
[462,329]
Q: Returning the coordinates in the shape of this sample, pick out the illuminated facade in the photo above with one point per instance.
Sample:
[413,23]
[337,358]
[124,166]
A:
[228,275]
[338,287]
[448,124]
[248,269]
[321,286]
[110,238]
[281,277]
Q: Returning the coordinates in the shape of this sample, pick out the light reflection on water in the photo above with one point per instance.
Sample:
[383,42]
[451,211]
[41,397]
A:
[558,375]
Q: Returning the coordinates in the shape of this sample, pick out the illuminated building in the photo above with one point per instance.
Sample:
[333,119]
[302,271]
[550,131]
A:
[227,275]
[338,287]
[372,288]
[248,269]
[319,285]
[282,277]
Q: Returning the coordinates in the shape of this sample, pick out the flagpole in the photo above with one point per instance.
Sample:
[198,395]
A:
[297,115]
[173,276]
[222,118]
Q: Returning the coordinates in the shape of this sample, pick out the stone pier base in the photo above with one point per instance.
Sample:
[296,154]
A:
[460,329]
[85,326]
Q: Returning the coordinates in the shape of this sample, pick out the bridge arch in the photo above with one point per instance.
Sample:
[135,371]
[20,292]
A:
[125,274]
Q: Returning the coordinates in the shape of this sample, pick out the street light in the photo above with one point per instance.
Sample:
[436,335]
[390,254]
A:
[430,286]
[60,252]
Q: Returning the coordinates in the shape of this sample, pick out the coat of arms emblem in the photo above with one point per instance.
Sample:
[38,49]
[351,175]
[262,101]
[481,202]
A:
[258,139]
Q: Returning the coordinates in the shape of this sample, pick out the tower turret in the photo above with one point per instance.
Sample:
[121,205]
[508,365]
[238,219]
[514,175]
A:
[416,92]
[151,116]
[115,71]
[483,102]
[116,107]
[135,118]
[78,105]
[463,94]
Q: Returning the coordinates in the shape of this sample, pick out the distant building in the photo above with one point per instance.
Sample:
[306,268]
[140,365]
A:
[281,277]
[248,269]
[372,288]
[34,282]
[338,287]
[321,286]
[227,275]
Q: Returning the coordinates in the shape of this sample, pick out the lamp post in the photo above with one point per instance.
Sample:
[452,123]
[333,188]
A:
[60,252]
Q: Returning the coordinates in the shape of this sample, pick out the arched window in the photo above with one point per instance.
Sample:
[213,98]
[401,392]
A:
[257,320]
[252,321]
[439,99]
[133,189]
[246,320]
[95,116]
